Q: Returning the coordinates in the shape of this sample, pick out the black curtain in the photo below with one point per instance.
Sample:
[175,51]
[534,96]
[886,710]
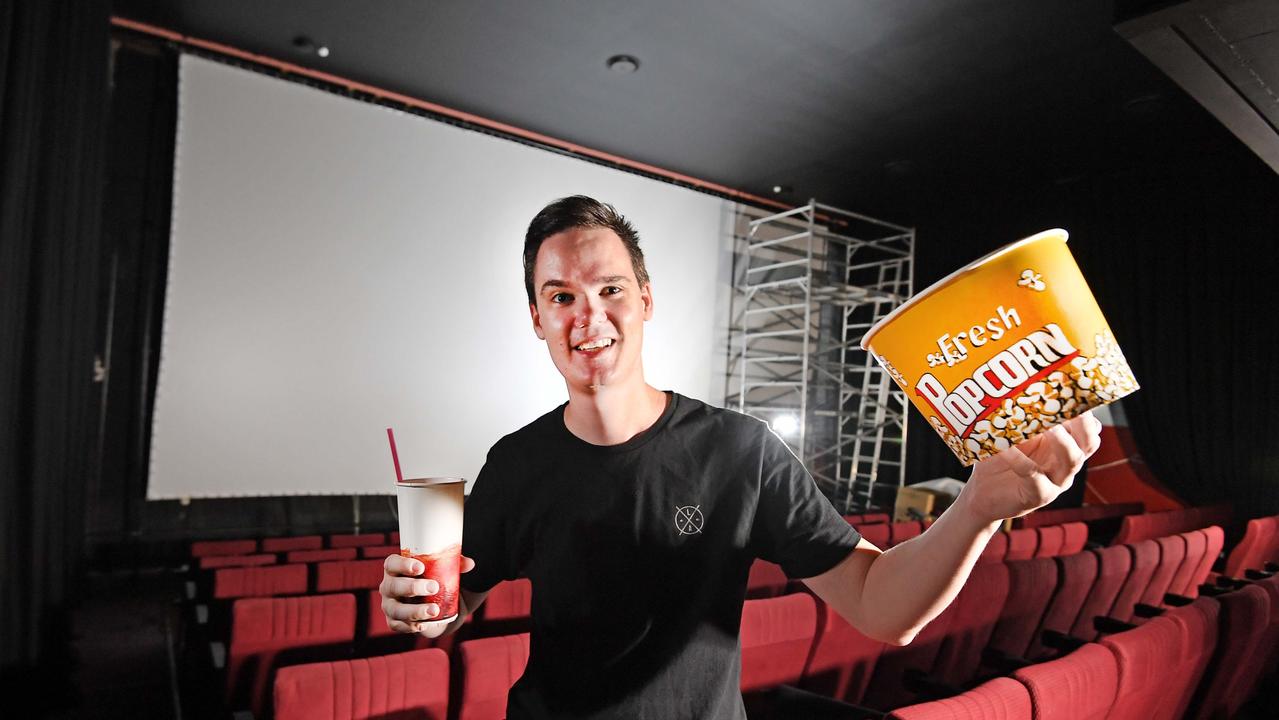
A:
[53,101]
[1182,253]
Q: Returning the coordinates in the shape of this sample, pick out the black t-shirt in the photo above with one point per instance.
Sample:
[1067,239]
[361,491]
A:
[638,555]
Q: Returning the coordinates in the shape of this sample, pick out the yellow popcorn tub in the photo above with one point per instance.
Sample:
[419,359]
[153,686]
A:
[1004,348]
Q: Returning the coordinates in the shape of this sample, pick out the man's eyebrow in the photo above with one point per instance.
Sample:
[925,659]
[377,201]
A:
[607,279]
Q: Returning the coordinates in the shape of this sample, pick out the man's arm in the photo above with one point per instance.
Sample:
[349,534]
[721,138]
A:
[890,596]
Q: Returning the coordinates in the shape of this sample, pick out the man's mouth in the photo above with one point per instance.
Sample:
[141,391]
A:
[594,345]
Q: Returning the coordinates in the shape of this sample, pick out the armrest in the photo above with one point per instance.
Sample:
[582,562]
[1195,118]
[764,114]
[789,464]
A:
[1109,625]
[1256,574]
[1271,567]
[786,701]
[1228,582]
[1061,641]
[1006,664]
[1213,590]
[928,687]
[1143,610]
[1175,600]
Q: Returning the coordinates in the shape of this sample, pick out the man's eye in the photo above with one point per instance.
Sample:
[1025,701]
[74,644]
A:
[611,290]
[561,298]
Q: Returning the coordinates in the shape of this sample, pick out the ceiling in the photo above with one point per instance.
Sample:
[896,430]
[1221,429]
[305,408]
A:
[875,105]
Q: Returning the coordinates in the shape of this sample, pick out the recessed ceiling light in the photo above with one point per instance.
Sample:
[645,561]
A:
[304,44]
[623,64]
[781,189]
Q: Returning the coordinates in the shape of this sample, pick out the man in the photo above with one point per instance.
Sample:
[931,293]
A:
[637,513]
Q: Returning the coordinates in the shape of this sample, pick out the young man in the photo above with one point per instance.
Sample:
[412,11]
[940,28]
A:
[637,513]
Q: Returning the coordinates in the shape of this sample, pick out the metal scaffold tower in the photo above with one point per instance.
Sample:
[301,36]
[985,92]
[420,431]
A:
[810,282]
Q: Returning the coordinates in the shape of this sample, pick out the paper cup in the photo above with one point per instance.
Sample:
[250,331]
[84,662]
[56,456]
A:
[431,531]
[1004,348]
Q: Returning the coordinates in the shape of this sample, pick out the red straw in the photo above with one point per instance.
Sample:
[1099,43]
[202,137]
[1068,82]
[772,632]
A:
[390,435]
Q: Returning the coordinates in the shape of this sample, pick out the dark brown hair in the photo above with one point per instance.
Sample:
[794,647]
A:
[579,211]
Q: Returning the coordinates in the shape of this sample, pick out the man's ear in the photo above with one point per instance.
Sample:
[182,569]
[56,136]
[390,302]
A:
[537,321]
[646,296]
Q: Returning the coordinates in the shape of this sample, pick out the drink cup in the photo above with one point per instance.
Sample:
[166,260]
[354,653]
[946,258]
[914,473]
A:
[1003,349]
[431,532]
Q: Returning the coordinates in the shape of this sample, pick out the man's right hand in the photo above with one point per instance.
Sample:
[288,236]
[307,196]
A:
[400,582]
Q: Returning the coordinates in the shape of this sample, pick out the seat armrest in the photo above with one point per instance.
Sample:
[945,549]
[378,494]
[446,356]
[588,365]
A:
[1002,662]
[928,687]
[1061,641]
[1256,574]
[1108,625]
[787,701]
[1146,611]
[1213,590]
[1175,600]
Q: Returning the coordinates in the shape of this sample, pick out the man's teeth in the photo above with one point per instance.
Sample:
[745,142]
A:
[595,344]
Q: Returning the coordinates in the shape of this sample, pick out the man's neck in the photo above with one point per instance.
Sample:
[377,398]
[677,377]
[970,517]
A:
[611,416]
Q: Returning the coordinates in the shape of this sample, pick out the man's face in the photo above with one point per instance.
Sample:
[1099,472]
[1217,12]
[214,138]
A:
[589,308]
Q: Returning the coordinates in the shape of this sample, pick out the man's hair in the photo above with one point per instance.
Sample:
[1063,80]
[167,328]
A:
[579,211]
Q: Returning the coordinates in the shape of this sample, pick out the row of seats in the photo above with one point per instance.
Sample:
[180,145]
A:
[250,546]
[1259,546]
[212,562]
[1147,526]
[1084,514]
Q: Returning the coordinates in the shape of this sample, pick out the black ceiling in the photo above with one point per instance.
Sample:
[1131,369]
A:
[874,105]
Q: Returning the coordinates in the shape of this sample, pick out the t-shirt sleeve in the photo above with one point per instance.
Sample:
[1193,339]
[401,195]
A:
[796,526]
[485,529]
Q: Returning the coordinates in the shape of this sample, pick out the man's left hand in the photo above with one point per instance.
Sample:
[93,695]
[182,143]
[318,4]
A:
[1030,475]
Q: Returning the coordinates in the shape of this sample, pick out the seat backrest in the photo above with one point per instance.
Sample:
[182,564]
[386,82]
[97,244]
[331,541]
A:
[211,562]
[1215,539]
[900,532]
[313,556]
[380,552]
[977,610]
[999,699]
[348,575]
[285,544]
[1199,624]
[358,540]
[1142,655]
[1133,528]
[1113,565]
[876,535]
[410,684]
[1031,584]
[776,638]
[262,581]
[843,658]
[870,518]
[1051,540]
[1022,544]
[487,669]
[1078,686]
[509,600]
[995,549]
[766,579]
[1076,575]
[888,688]
[1172,551]
[264,628]
[1145,561]
[1230,674]
[1076,538]
[205,548]
[1183,581]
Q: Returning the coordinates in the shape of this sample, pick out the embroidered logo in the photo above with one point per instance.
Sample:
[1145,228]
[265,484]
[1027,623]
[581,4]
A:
[689,519]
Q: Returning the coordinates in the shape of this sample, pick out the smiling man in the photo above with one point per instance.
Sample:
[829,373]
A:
[636,513]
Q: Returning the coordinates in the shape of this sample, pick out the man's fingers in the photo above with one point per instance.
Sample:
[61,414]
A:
[1086,430]
[408,612]
[399,565]
[467,564]
[1070,457]
[402,587]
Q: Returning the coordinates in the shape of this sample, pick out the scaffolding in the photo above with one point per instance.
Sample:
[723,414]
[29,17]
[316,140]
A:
[809,283]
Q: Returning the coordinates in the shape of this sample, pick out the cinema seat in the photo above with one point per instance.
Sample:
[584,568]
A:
[977,610]
[999,699]
[315,556]
[1143,655]
[509,600]
[892,683]
[285,544]
[212,562]
[843,658]
[900,532]
[1183,581]
[347,575]
[1216,539]
[1079,686]
[766,579]
[1233,670]
[355,541]
[487,668]
[264,581]
[1051,540]
[877,535]
[1199,623]
[995,549]
[1172,552]
[413,684]
[1022,544]
[1113,566]
[1145,561]
[1076,538]
[776,638]
[206,548]
[380,552]
[1031,584]
[267,632]
[1076,575]
[1254,549]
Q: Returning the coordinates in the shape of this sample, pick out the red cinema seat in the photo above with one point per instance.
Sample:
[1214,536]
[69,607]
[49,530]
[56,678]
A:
[368,552]
[1078,686]
[393,537]
[210,562]
[379,639]
[315,556]
[1145,561]
[870,518]
[267,631]
[487,669]
[1076,575]
[413,684]
[509,600]
[889,687]
[1022,544]
[1113,566]
[1143,655]
[1133,528]
[348,575]
[285,544]
[1215,538]
[843,658]
[876,535]
[900,532]
[1233,672]
[1051,540]
[1183,581]
[355,541]
[999,699]
[1251,551]
[995,549]
[766,579]
[1172,551]
[776,639]
[259,581]
[1266,658]
[206,548]
[977,610]
[1031,584]
[1076,538]
[1199,623]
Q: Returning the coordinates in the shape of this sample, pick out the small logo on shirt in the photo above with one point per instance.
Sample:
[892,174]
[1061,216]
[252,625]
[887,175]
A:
[689,519]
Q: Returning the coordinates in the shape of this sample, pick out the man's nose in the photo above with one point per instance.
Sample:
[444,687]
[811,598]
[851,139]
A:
[590,312]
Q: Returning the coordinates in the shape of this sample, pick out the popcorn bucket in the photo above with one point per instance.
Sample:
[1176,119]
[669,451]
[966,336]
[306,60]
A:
[1004,348]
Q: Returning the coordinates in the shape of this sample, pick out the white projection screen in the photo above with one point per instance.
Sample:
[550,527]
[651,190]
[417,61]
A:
[337,268]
